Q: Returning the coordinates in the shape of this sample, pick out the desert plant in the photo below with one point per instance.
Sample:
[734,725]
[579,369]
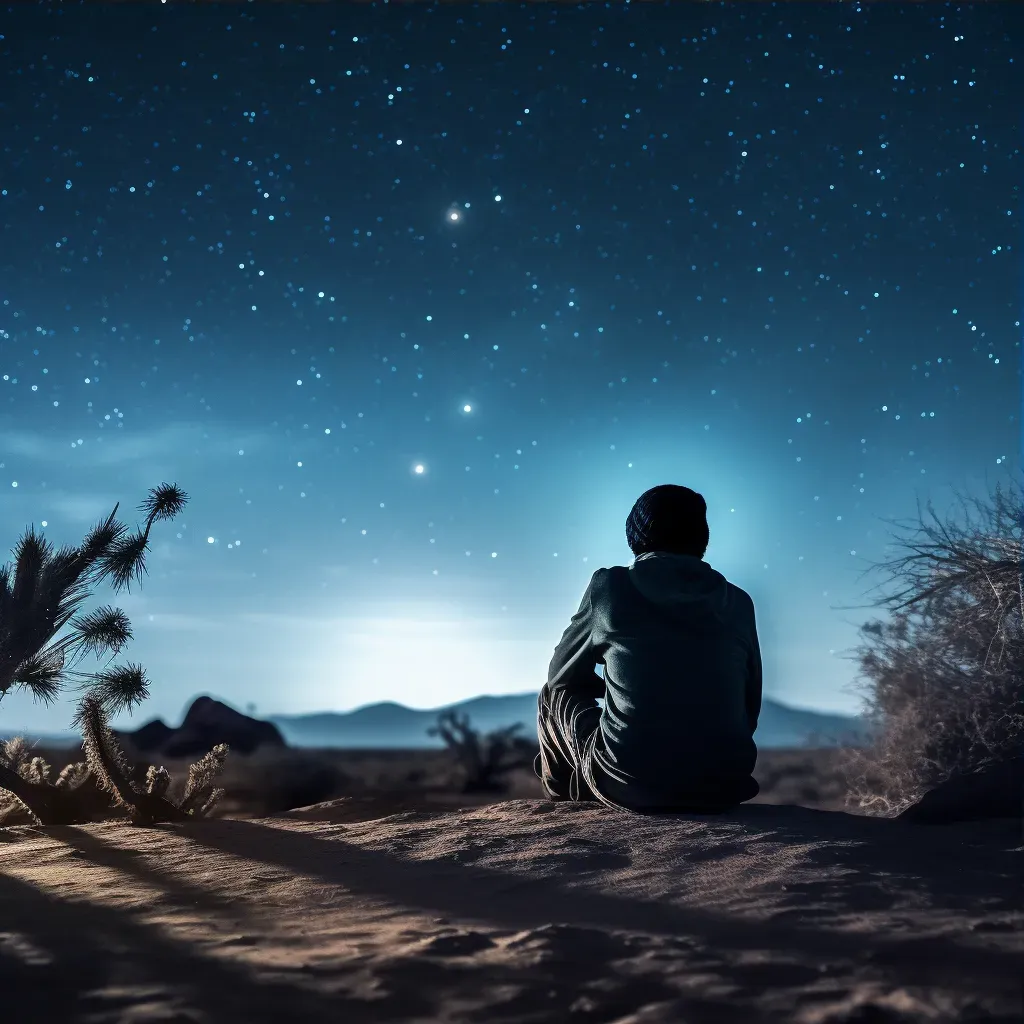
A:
[279,780]
[943,679]
[39,597]
[484,760]
[104,784]
[149,802]
[55,800]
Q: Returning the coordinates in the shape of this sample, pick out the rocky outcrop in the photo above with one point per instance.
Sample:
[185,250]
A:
[151,736]
[207,723]
[995,791]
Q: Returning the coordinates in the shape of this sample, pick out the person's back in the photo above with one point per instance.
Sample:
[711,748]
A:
[682,672]
[678,646]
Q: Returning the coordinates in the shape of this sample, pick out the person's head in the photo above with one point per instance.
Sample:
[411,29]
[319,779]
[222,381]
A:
[668,518]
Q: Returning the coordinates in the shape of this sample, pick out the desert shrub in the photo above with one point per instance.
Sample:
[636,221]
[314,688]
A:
[943,678]
[282,781]
[40,595]
[485,761]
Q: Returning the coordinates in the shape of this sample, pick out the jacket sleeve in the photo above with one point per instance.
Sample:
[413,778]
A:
[754,681]
[577,655]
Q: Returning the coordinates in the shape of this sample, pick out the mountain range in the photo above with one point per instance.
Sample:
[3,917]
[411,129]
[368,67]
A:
[389,725]
[394,726]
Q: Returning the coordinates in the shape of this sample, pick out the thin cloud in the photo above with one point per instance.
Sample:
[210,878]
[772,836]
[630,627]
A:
[113,446]
[77,508]
[178,623]
[141,458]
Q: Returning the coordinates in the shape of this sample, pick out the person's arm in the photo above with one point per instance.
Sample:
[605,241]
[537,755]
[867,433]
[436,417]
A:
[754,681]
[576,656]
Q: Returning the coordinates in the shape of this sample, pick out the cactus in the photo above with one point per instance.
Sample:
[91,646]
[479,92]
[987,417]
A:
[40,595]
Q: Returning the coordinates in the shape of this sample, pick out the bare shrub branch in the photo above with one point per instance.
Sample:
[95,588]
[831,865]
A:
[943,678]
[485,760]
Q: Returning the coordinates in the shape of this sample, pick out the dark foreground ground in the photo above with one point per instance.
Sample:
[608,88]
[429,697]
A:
[405,901]
[522,911]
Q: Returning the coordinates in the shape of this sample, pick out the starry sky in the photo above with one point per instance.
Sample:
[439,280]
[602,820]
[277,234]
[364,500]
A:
[415,300]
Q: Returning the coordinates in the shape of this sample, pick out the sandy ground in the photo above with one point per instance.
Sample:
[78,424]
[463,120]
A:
[524,910]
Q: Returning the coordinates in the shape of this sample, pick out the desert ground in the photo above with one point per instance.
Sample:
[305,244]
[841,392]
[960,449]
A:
[396,898]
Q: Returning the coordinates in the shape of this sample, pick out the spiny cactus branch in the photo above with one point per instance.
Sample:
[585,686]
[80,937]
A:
[201,776]
[32,797]
[103,756]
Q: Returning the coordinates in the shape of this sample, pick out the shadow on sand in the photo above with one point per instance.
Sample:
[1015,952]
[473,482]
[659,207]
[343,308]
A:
[70,960]
[880,857]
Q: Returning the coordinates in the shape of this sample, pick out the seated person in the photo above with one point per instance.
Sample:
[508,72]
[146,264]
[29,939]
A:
[682,676]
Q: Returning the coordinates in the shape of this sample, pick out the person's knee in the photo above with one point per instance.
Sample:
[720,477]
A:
[547,729]
[544,701]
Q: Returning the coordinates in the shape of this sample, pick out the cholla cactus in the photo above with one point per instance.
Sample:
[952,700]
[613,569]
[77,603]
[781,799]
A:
[157,780]
[28,788]
[40,596]
[103,784]
[148,803]
[200,795]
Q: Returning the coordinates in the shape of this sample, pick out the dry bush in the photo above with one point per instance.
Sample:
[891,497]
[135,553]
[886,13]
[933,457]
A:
[486,761]
[943,679]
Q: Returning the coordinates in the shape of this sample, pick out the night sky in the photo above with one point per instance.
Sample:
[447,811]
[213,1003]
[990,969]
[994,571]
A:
[415,300]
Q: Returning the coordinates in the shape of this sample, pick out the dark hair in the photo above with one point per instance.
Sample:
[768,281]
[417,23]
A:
[669,518]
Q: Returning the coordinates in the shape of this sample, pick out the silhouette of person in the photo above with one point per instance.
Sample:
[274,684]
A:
[682,676]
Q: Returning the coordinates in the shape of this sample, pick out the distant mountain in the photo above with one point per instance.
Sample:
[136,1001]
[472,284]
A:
[389,725]
[206,723]
[394,726]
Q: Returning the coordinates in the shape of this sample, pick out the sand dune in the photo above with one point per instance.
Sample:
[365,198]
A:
[525,910]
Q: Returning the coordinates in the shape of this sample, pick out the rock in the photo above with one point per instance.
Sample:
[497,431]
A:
[995,791]
[151,736]
[207,723]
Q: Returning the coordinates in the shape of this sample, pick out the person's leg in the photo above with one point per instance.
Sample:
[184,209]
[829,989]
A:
[564,724]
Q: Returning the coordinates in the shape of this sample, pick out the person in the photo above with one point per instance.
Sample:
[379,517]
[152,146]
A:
[682,676]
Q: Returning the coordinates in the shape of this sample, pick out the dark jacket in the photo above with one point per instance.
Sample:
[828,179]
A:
[682,682]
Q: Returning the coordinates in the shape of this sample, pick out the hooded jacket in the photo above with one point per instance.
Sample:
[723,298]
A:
[681,687]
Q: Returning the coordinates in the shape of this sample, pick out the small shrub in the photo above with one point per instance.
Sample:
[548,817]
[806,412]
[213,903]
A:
[484,760]
[284,781]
